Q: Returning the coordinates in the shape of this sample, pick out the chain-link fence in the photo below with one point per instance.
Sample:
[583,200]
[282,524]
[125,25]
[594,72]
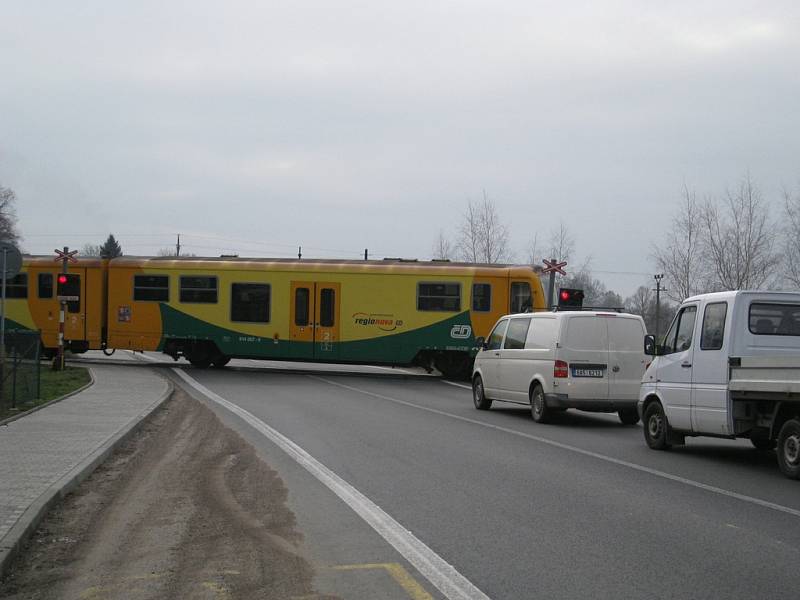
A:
[19,369]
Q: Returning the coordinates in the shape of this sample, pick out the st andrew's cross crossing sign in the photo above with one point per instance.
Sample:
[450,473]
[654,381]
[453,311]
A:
[66,255]
[553,266]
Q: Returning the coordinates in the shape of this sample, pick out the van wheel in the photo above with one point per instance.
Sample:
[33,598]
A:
[539,410]
[656,427]
[628,416]
[478,395]
[789,449]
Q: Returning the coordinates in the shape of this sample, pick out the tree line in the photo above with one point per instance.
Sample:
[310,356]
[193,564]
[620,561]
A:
[735,241]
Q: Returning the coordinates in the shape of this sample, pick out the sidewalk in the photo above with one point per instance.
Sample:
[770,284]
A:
[45,454]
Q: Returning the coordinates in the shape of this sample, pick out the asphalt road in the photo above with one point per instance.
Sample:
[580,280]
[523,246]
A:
[577,508]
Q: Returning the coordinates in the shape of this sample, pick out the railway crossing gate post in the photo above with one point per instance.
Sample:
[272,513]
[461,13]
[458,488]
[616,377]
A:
[65,257]
[553,266]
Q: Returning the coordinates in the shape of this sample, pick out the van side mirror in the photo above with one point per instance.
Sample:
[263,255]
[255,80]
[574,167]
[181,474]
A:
[480,343]
[650,345]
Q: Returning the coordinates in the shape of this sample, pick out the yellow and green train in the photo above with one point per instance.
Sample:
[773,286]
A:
[209,310]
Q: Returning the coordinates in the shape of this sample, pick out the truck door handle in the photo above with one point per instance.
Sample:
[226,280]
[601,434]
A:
[686,365]
[497,354]
[615,368]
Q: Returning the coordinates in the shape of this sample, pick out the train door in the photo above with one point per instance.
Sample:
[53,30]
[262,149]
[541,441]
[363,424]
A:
[314,318]
[75,318]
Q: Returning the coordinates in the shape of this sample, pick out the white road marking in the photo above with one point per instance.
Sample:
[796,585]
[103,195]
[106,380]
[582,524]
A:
[461,385]
[624,463]
[441,574]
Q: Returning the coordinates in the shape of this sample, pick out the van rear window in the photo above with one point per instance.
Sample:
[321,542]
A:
[774,319]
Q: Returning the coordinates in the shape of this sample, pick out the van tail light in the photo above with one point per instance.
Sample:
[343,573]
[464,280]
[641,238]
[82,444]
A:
[560,369]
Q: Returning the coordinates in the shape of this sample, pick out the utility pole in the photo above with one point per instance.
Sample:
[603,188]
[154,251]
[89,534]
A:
[366,254]
[658,277]
[299,252]
[178,246]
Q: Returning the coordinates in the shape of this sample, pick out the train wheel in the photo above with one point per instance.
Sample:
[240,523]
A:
[221,361]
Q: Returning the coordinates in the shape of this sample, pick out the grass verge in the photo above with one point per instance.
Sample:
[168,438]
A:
[54,384]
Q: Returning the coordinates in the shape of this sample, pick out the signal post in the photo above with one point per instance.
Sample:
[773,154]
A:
[552,266]
[66,257]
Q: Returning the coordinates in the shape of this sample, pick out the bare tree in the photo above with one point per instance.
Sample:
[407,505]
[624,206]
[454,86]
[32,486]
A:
[640,302]
[561,243]
[90,250]
[442,248]
[481,235]
[172,251]
[534,251]
[681,256]
[8,217]
[792,238]
[738,239]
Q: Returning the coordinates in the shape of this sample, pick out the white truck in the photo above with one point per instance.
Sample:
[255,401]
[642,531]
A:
[729,367]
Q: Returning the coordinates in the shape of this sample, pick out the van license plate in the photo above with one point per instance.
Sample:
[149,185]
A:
[587,372]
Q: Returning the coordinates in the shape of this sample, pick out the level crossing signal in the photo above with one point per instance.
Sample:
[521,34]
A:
[570,298]
[68,287]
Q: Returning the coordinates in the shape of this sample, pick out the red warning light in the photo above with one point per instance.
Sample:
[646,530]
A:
[564,295]
[62,279]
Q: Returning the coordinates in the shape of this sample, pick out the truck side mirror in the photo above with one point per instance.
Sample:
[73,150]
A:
[650,345]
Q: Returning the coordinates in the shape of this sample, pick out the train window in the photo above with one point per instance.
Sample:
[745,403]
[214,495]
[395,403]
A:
[327,306]
[17,287]
[45,285]
[481,297]
[250,302]
[301,306]
[521,297]
[439,296]
[153,288]
[199,289]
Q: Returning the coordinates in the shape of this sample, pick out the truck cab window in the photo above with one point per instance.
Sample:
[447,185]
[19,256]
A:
[679,336]
[713,326]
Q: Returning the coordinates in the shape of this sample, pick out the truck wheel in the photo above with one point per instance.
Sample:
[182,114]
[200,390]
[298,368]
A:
[789,449]
[628,416]
[656,428]
[478,395]
[539,410]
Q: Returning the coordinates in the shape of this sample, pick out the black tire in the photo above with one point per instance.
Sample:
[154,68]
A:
[628,416]
[656,427]
[788,449]
[478,395]
[539,410]
[200,363]
[221,361]
[763,443]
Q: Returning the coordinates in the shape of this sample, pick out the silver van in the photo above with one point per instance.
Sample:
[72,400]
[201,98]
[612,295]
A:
[589,360]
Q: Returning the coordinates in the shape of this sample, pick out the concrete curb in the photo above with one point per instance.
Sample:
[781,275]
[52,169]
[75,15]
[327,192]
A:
[53,401]
[264,370]
[12,542]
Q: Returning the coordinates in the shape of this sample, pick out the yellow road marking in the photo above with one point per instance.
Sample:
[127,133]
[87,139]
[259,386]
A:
[414,590]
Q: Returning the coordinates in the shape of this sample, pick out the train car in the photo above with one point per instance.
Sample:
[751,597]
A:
[31,303]
[394,312]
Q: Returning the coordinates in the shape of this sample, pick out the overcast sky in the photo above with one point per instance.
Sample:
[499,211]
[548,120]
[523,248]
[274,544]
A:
[255,127]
